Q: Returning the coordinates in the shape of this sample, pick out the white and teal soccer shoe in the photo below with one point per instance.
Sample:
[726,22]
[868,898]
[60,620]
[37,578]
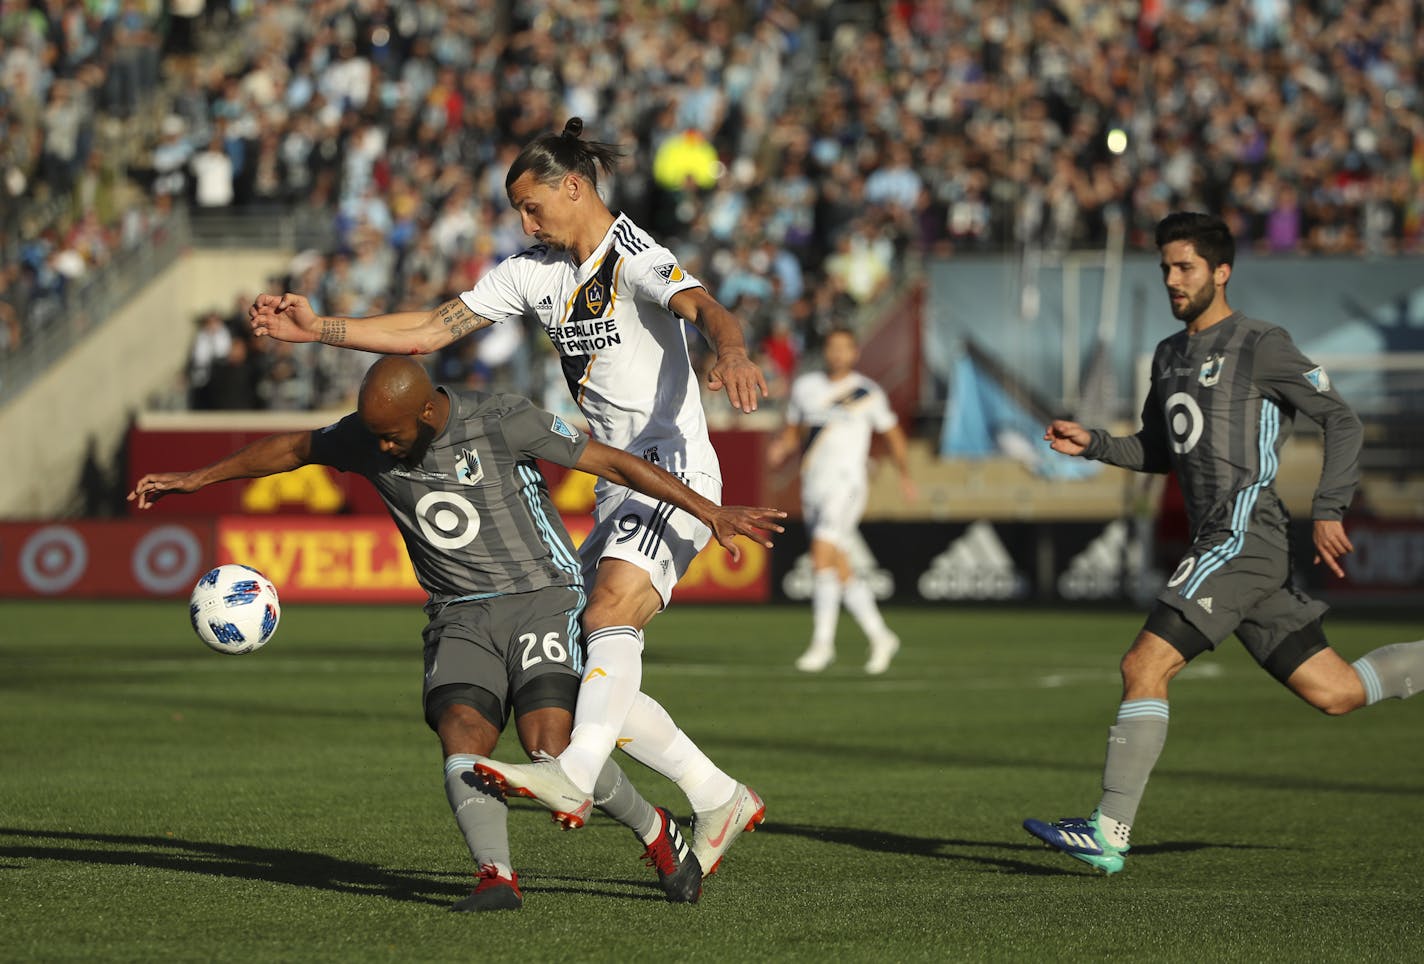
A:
[1081,838]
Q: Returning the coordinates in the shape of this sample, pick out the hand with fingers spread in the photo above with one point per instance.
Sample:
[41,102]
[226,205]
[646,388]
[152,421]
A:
[730,521]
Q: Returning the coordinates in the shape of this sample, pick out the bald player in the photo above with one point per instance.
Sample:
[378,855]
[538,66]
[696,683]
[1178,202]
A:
[456,471]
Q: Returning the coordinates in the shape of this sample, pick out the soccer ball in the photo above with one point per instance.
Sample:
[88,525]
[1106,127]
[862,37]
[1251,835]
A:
[234,609]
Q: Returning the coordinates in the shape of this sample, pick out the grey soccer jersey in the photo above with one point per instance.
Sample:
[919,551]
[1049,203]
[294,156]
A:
[475,514]
[1217,414]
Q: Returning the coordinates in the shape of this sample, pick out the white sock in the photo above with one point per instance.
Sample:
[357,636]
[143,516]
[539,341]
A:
[825,609]
[1114,831]
[653,739]
[860,603]
[613,673]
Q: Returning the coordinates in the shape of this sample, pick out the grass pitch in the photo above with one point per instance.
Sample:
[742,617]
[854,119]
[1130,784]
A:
[160,802]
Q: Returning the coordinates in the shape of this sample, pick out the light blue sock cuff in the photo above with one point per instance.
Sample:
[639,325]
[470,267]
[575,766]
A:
[1369,679]
[1142,709]
[461,761]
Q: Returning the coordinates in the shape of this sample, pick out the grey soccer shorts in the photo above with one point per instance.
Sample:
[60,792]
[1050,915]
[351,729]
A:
[518,652]
[1239,582]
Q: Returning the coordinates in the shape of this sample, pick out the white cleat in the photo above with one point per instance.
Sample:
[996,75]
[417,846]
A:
[882,651]
[543,780]
[814,660]
[714,830]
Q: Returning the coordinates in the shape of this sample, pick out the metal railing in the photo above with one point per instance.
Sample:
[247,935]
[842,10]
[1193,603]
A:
[91,303]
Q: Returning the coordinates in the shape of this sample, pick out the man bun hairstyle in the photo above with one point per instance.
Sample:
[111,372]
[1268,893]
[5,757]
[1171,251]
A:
[550,156]
[1208,235]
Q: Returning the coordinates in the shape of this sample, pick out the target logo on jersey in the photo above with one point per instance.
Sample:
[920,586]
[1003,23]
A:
[447,519]
[1185,422]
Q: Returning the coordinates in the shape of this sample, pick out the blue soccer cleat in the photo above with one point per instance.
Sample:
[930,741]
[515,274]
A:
[1081,838]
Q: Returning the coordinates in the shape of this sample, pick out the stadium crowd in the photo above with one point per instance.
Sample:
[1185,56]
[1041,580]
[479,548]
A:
[793,152]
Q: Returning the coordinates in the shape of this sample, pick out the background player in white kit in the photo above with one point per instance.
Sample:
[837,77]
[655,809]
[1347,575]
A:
[831,417]
[612,301]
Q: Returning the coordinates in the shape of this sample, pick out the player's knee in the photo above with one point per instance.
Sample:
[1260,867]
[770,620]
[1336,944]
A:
[621,602]
[1335,705]
[1143,667]
[1336,701]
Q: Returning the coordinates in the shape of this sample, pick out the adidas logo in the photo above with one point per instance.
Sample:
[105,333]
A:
[1205,603]
[974,566]
[545,304]
[1097,571]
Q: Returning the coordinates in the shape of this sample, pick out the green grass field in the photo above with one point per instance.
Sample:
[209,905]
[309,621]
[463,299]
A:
[160,802]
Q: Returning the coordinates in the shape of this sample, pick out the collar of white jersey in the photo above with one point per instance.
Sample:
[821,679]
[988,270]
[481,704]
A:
[583,271]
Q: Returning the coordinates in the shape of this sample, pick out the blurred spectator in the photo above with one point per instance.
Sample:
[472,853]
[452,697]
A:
[212,344]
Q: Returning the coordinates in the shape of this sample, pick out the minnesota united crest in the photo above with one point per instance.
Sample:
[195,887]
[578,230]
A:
[468,468]
[1211,369]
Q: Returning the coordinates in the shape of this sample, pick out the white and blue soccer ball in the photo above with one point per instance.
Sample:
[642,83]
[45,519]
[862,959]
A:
[234,609]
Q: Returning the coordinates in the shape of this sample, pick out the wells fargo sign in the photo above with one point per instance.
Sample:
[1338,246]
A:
[311,559]
[362,558]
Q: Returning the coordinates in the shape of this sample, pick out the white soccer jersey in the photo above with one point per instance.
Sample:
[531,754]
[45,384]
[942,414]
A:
[623,351]
[840,416]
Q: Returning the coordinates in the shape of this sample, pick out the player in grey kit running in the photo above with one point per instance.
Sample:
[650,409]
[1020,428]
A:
[456,471]
[1223,394]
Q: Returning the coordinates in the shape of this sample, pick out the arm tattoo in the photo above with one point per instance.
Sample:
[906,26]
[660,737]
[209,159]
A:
[458,317]
[333,331]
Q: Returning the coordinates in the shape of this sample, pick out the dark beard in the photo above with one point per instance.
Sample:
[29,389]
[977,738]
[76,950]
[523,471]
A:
[424,434]
[1195,305]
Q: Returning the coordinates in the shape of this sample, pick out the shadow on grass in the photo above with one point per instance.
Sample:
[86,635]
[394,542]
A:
[942,848]
[299,868]
[837,751]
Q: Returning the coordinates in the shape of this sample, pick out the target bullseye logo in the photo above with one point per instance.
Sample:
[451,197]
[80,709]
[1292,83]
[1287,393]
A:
[447,519]
[1184,422]
[53,559]
[166,560]
[1184,570]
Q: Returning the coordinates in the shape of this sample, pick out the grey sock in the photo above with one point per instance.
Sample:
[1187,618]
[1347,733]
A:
[1134,743]
[480,811]
[616,796]
[1392,672]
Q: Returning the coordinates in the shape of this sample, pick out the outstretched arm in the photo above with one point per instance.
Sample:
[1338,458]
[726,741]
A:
[734,369]
[266,456]
[1146,451]
[725,521]
[289,317]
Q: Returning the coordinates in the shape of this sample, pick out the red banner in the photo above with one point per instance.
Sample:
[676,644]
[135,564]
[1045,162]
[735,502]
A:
[103,560]
[309,558]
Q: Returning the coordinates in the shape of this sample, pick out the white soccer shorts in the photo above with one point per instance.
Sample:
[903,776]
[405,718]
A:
[658,538]
[833,513]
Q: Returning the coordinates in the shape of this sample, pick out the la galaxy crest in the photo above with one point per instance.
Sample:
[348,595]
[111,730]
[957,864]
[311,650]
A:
[593,294]
[1210,372]
[670,273]
[468,468]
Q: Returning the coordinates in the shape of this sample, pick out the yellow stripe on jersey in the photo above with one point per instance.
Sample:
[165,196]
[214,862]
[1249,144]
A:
[583,380]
